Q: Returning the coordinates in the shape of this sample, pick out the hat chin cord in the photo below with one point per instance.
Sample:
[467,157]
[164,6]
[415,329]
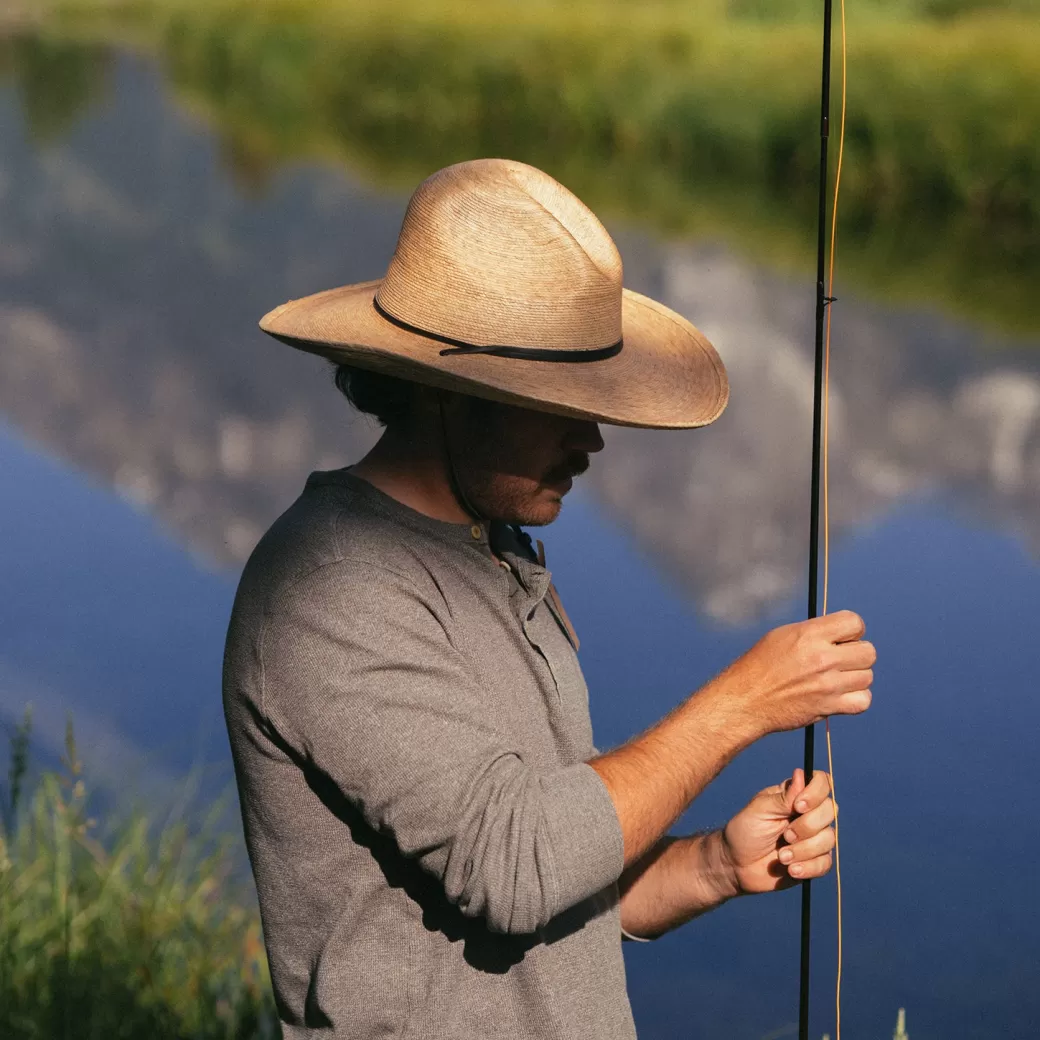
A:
[453,475]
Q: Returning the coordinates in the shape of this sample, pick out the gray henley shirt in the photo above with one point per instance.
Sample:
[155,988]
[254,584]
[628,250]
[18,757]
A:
[410,730]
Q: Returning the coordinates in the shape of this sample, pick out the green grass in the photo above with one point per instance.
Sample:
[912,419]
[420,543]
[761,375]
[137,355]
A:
[134,932]
[696,119]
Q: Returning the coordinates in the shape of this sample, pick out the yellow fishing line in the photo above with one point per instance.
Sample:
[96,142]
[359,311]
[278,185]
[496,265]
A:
[826,500]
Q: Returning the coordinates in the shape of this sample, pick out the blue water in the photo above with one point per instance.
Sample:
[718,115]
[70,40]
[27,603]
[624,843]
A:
[115,612]
[106,617]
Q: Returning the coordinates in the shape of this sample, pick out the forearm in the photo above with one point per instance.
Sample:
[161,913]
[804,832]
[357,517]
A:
[794,675]
[655,776]
[677,880]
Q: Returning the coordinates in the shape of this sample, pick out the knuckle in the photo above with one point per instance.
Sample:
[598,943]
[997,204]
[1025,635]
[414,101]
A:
[854,619]
[772,641]
[835,683]
[871,650]
[818,659]
[821,818]
[854,654]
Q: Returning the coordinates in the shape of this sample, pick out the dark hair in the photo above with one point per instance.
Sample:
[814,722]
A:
[387,398]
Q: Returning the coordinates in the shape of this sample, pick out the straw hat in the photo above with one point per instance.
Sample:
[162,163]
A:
[504,285]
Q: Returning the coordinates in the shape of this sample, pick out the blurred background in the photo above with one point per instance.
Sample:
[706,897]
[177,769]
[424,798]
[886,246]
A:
[172,169]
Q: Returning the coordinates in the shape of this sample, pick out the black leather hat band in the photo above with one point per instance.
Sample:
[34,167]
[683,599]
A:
[457,346]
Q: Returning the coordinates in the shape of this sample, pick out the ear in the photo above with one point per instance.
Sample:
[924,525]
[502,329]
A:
[428,400]
[432,408]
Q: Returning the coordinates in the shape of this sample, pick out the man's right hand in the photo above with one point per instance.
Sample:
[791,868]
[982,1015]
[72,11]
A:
[800,673]
[793,675]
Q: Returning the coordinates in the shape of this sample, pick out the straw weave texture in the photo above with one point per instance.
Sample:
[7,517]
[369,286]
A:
[493,252]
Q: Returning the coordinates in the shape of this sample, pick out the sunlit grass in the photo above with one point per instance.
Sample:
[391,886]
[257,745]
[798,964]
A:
[121,931]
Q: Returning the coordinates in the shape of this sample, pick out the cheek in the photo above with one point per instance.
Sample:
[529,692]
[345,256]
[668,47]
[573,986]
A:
[514,442]
[538,455]
[522,464]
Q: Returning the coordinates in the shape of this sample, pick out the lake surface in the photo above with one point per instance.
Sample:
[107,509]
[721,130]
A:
[149,433]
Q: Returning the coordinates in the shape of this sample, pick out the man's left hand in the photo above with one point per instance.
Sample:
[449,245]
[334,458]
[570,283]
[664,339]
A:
[784,835]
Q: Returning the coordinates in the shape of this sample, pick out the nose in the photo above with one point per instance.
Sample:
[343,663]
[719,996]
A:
[585,436]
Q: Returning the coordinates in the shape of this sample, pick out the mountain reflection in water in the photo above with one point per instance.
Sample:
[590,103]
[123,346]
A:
[133,274]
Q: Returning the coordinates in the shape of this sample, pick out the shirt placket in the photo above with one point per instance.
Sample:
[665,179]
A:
[533,583]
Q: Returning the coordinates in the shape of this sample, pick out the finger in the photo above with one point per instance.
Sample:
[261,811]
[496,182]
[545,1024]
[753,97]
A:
[816,791]
[810,823]
[844,625]
[811,868]
[813,846]
[854,703]
[851,681]
[855,655]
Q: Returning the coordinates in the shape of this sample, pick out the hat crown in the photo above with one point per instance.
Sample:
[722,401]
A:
[496,252]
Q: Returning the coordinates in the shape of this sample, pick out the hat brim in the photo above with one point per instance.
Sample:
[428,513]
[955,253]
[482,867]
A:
[666,376]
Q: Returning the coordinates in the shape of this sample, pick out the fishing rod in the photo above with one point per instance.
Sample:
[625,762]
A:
[822,302]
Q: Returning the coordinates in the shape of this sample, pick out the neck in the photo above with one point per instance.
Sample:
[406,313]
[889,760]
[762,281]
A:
[412,468]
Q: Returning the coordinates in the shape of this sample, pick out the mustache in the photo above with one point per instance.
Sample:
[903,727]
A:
[573,466]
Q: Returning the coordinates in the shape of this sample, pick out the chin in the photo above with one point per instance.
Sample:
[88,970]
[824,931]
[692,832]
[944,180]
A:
[539,514]
[528,508]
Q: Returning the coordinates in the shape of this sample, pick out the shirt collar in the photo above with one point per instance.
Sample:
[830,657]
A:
[501,541]
[381,502]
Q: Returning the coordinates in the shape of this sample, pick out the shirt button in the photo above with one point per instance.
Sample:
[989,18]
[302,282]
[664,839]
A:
[476,532]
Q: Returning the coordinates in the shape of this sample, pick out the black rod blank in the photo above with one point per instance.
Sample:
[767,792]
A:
[814,506]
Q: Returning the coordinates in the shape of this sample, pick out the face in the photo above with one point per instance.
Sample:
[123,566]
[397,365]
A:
[515,464]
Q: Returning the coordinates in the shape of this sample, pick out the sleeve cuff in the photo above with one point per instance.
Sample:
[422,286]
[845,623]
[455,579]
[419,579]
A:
[587,845]
[634,938]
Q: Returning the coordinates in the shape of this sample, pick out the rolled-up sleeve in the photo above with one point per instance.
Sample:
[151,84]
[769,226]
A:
[361,678]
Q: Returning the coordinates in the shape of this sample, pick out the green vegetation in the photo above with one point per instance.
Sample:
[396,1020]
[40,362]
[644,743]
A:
[58,79]
[694,118]
[131,934]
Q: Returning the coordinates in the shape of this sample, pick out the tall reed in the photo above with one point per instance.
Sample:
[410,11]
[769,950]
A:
[125,931]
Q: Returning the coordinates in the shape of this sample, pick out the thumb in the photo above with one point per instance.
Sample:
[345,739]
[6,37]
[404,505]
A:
[790,789]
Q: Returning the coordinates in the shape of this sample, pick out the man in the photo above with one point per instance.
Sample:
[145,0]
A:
[439,849]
